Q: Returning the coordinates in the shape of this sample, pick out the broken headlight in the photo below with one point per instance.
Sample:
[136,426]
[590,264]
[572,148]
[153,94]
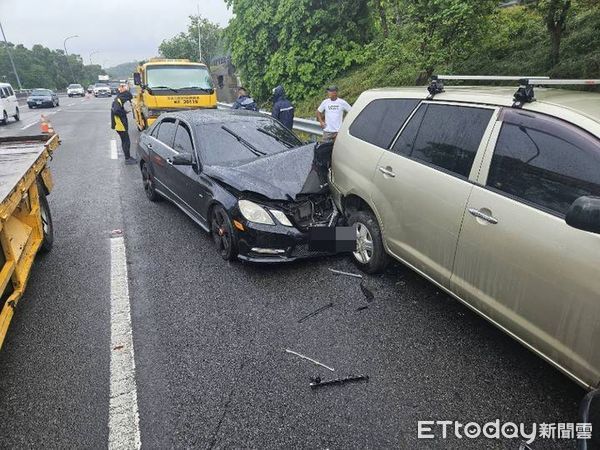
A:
[254,212]
[281,217]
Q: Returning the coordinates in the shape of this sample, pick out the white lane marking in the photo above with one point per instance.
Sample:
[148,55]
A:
[70,104]
[29,125]
[113,149]
[123,416]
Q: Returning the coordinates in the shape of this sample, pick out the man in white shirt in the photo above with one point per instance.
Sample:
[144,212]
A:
[331,114]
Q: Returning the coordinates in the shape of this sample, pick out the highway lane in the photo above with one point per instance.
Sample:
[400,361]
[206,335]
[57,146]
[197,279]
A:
[210,336]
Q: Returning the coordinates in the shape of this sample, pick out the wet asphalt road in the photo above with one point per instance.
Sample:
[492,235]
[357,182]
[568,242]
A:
[210,336]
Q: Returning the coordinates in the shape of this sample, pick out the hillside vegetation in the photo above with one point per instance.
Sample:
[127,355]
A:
[516,43]
[40,67]
[305,45]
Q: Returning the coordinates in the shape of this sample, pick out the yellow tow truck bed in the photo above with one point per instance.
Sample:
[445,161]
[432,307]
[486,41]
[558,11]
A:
[25,221]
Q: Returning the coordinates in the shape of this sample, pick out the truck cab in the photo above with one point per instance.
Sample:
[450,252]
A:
[169,85]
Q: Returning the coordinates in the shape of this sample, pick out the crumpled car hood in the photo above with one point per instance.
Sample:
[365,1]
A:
[282,176]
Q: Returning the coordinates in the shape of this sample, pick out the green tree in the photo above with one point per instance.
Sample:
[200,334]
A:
[447,31]
[42,67]
[185,44]
[556,13]
[301,44]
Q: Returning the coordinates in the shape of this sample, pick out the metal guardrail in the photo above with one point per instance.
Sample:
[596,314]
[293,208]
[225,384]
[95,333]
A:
[311,127]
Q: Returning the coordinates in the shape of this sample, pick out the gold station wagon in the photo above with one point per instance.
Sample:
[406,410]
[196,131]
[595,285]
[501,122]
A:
[492,195]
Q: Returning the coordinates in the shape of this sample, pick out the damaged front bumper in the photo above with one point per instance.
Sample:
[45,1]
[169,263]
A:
[274,244]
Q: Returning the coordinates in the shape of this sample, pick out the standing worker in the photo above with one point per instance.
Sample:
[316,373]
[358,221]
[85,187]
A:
[331,114]
[118,120]
[244,101]
[283,110]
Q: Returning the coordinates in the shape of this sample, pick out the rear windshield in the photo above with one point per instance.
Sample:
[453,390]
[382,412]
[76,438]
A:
[236,141]
[41,92]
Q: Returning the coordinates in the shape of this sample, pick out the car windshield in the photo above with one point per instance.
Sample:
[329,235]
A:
[237,141]
[101,85]
[41,92]
[74,86]
[178,77]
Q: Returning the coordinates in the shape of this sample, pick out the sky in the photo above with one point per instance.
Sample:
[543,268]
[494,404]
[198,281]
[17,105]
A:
[121,31]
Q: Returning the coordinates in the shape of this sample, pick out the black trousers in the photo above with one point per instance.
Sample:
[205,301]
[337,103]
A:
[125,143]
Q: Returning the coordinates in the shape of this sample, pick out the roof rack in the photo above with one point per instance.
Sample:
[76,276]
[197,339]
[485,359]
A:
[524,93]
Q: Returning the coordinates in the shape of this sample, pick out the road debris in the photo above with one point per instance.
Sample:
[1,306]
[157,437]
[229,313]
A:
[317,382]
[315,312]
[309,359]
[366,292]
[348,274]
[361,308]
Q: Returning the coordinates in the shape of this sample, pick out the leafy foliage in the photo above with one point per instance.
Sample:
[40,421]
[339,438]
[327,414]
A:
[513,41]
[185,45]
[45,68]
[301,44]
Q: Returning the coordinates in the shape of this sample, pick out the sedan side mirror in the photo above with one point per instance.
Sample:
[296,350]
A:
[584,214]
[182,159]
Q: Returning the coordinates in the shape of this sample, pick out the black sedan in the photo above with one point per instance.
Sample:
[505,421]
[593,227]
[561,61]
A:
[42,97]
[244,178]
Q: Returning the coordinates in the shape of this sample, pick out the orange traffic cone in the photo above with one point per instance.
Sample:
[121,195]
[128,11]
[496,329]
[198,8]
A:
[46,126]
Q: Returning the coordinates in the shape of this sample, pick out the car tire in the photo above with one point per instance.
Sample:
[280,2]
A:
[4,120]
[370,256]
[222,233]
[151,193]
[17,115]
[47,226]
[57,103]
[30,107]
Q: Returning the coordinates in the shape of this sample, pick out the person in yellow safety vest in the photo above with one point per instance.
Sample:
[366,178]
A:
[118,121]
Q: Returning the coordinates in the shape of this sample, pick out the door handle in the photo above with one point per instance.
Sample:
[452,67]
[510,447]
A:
[387,171]
[483,216]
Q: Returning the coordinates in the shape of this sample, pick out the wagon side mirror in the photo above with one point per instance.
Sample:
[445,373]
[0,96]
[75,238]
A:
[584,214]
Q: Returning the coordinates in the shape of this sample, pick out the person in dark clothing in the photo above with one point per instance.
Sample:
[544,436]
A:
[119,123]
[283,110]
[244,101]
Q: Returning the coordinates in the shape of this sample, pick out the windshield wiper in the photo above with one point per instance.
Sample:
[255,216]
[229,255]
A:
[277,138]
[240,139]
[151,88]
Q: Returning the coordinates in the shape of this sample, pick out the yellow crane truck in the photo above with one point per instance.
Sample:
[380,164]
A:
[25,220]
[170,84]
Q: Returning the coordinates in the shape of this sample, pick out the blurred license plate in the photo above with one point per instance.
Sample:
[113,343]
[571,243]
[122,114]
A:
[332,239]
[38,102]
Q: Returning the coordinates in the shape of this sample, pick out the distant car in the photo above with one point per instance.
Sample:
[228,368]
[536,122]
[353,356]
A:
[9,106]
[42,97]
[75,89]
[90,89]
[114,87]
[102,90]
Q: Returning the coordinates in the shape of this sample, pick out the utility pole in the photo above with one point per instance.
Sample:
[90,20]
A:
[12,63]
[95,52]
[67,55]
[199,36]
